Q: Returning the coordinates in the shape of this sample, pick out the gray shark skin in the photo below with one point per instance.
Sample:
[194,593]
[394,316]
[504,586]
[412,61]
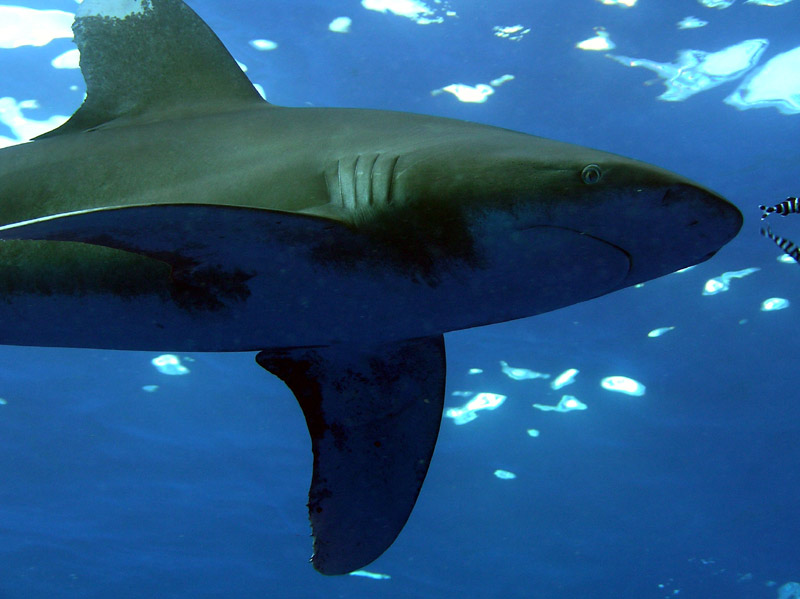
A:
[177,210]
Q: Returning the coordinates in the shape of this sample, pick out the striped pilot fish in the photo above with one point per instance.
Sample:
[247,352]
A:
[785,208]
[789,247]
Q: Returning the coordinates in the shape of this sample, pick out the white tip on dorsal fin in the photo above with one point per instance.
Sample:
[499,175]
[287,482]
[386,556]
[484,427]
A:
[116,9]
[142,57]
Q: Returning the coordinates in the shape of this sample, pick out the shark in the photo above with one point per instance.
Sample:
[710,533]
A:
[178,210]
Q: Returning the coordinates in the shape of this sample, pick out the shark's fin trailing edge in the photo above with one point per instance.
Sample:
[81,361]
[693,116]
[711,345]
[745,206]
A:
[151,56]
[373,413]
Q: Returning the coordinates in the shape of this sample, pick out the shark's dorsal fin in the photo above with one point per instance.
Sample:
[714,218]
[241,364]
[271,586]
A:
[142,57]
[373,412]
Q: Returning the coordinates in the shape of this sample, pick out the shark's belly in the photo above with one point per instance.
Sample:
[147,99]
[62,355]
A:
[234,284]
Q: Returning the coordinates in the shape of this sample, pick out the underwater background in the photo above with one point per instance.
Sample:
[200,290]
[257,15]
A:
[187,477]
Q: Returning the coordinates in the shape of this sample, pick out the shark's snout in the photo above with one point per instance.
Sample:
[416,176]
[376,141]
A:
[667,228]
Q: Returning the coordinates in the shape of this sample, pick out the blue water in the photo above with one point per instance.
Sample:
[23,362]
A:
[198,489]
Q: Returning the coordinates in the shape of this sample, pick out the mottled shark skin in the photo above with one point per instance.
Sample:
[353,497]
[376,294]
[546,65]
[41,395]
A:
[177,210]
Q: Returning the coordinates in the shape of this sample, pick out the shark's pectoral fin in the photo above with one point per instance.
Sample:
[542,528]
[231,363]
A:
[175,233]
[214,251]
[373,413]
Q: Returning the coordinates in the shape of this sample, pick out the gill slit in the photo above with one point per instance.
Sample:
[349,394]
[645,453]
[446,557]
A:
[355,180]
[390,187]
[339,182]
[371,179]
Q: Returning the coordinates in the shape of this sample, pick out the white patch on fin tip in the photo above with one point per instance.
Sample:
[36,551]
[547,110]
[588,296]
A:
[116,9]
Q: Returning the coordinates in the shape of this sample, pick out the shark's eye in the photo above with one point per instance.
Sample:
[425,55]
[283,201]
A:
[591,174]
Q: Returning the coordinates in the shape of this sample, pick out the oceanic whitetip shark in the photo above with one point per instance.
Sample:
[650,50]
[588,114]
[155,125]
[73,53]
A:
[177,210]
